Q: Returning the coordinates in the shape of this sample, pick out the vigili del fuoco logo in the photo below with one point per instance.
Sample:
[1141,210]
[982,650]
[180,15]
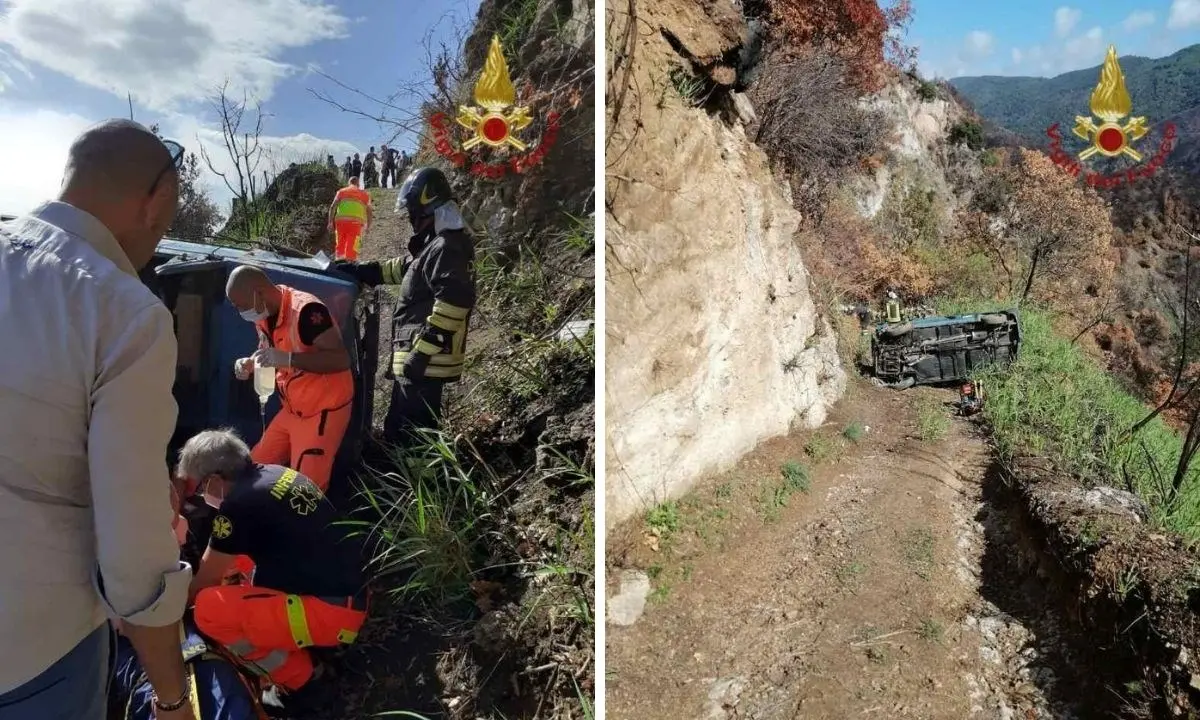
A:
[494,126]
[1113,136]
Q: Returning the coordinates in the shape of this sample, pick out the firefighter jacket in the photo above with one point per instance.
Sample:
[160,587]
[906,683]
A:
[437,293]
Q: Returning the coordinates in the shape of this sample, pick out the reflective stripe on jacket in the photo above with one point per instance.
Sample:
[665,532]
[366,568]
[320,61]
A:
[304,393]
[352,204]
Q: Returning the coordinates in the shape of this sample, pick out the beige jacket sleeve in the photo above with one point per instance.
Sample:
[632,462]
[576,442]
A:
[140,577]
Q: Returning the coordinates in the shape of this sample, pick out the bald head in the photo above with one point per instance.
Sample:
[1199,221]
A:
[251,291]
[111,172]
[116,158]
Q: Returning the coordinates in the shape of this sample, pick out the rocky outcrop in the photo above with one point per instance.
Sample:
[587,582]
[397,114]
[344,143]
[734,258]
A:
[714,343]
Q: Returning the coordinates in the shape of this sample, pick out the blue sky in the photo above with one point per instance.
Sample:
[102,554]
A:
[67,63]
[1033,37]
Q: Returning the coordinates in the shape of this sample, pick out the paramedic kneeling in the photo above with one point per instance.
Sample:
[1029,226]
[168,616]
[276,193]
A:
[309,585]
[299,338]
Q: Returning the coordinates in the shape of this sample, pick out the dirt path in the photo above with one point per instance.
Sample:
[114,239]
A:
[889,588]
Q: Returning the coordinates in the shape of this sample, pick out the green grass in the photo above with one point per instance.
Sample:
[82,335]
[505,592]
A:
[854,432]
[434,523]
[515,23]
[931,630]
[664,518]
[795,478]
[689,87]
[821,448]
[933,422]
[1056,401]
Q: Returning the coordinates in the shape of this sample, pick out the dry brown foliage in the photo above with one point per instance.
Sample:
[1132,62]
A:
[810,122]
[1054,242]
[859,32]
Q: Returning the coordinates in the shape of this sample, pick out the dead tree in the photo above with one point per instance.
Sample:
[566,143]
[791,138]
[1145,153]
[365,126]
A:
[241,136]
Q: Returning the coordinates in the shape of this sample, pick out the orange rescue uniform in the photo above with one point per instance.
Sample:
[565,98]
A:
[308,430]
[350,217]
[311,594]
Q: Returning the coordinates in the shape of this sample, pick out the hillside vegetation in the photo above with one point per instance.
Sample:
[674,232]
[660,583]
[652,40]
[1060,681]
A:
[1163,89]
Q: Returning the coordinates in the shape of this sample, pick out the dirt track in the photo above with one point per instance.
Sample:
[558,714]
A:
[891,588]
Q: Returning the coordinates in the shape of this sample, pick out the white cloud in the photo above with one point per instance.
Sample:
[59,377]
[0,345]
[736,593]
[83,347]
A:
[1138,20]
[34,146]
[979,44]
[1017,56]
[165,53]
[278,151]
[1184,14]
[1065,20]
[37,140]
[1083,51]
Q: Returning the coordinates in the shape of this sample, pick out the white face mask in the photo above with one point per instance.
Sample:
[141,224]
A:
[211,496]
[253,315]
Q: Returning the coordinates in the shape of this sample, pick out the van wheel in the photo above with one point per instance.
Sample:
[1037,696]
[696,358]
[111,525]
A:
[895,331]
[994,320]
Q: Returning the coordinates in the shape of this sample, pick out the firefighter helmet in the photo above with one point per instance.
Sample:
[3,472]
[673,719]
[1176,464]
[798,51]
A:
[425,190]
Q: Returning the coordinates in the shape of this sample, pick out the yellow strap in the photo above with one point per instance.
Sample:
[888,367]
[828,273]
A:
[442,307]
[445,323]
[195,692]
[391,271]
[435,370]
[426,347]
[298,622]
[347,637]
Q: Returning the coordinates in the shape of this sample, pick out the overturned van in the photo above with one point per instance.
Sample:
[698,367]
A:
[943,349]
[190,279]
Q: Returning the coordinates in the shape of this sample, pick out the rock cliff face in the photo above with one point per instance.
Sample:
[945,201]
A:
[714,343]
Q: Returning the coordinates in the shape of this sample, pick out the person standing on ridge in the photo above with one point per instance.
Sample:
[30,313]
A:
[87,415]
[430,318]
[346,174]
[350,214]
[389,166]
[299,338]
[370,176]
[356,167]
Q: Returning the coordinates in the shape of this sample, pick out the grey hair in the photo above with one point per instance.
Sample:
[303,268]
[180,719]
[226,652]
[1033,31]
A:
[214,452]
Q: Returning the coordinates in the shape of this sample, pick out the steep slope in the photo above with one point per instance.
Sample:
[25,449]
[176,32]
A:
[714,342]
[1161,89]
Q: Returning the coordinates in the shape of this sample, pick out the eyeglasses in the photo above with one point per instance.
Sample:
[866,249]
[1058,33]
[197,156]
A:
[175,163]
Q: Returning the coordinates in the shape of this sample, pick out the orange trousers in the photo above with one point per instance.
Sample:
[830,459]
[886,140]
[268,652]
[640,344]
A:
[349,239]
[272,629]
[307,445]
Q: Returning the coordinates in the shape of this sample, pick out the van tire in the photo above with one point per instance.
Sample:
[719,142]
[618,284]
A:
[993,320]
[895,331]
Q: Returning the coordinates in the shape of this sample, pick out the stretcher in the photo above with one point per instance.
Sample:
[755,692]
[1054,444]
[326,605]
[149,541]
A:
[221,690]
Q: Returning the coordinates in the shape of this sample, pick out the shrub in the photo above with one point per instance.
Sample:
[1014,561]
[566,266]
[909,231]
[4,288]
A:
[968,132]
[927,90]
[867,37]
[810,121]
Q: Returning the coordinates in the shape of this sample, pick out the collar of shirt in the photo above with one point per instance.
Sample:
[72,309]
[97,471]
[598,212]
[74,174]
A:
[85,226]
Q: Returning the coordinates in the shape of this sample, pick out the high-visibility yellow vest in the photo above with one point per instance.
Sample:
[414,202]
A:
[892,311]
[351,204]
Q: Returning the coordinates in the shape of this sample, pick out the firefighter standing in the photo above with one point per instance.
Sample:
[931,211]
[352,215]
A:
[300,339]
[309,588]
[350,214]
[892,308]
[437,292]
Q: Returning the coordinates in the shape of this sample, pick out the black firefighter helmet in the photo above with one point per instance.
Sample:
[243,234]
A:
[425,190]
